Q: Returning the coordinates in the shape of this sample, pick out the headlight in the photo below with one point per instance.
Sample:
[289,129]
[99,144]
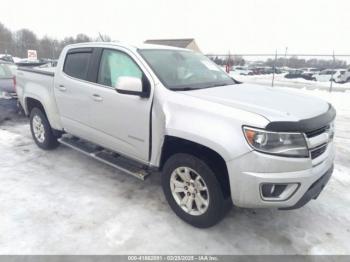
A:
[276,143]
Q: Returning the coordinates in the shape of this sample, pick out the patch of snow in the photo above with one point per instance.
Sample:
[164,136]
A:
[280,80]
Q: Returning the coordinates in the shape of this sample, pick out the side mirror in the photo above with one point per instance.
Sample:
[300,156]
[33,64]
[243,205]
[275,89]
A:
[129,85]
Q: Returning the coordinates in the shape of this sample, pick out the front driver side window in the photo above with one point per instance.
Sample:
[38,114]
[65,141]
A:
[115,64]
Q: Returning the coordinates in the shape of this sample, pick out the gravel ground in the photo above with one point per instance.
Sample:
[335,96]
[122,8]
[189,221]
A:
[62,202]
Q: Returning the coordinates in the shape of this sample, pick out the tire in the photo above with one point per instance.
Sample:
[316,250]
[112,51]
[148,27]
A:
[214,205]
[42,132]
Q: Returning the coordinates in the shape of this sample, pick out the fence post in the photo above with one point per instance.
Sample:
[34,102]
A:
[333,67]
[274,70]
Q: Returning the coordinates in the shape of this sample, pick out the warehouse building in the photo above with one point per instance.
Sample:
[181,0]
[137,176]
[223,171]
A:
[188,43]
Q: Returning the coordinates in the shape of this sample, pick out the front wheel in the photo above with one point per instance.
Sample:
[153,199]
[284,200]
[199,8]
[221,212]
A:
[193,191]
[41,130]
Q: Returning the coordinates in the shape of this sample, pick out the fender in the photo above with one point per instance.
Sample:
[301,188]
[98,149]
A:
[214,126]
[45,100]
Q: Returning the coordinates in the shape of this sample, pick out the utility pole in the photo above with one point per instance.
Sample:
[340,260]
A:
[228,62]
[285,57]
[53,50]
[274,70]
[332,78]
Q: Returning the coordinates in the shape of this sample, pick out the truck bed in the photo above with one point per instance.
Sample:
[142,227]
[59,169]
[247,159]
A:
[38,83]
[49,71]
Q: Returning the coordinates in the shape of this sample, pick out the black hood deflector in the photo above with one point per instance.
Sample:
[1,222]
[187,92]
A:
[305,125]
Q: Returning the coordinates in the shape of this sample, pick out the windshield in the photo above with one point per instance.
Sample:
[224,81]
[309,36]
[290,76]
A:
[185,70]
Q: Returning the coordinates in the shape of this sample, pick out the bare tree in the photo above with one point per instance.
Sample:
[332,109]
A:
[46,48]
[18,43]
[25,40]
[81,38]
[6,40]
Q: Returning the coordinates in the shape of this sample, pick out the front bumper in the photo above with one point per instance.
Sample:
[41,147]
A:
[249,172]
[314,191]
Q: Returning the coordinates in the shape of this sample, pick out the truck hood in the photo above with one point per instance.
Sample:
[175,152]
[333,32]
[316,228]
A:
[275,104]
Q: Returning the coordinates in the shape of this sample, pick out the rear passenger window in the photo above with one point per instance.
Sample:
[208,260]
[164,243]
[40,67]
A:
[77,65]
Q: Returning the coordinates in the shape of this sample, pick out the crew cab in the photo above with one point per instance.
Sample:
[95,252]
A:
[215,141]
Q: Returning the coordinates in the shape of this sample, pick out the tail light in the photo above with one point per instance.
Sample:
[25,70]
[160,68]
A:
[14,83]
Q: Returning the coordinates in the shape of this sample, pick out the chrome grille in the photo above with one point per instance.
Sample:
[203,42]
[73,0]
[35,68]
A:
[318,140]
[317,132]
[318,151]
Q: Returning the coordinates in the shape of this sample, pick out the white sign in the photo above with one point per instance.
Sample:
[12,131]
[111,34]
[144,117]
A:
[32,55]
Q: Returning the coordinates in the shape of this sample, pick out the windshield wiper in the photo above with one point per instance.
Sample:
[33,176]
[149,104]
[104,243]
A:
[184,89]
[198,88]
[217,85]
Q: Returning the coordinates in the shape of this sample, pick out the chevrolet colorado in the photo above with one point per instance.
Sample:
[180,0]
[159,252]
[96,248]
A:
[215,141]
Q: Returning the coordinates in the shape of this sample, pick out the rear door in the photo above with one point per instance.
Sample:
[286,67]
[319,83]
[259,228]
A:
[72,91]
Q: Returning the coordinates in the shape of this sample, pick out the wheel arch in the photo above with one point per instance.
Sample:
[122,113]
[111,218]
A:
[30,103]
[173,145]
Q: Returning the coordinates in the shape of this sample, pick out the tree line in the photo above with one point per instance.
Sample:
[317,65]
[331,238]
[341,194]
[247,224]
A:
[292,62]
[19,42]
[295,62]
[234,60]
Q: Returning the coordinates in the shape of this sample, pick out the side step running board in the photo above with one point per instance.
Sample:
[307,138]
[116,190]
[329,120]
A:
[117,161]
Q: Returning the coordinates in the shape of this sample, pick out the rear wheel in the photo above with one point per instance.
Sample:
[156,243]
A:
[193,191]
[41,130]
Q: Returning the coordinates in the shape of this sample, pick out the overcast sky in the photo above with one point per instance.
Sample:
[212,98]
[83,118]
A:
[219,26]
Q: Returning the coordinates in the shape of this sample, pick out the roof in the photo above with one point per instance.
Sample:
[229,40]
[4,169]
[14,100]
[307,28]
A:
[182,43]
[120,44]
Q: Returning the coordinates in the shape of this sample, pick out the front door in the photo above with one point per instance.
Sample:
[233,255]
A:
[122,122]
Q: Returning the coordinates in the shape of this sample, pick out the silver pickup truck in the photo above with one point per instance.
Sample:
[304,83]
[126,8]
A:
[215,141]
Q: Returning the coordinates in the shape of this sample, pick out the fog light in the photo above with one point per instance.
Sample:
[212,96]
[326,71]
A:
[277,192]
[272,190]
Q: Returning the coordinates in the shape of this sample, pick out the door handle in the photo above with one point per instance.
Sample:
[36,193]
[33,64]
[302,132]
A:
[62,88]
[97,98]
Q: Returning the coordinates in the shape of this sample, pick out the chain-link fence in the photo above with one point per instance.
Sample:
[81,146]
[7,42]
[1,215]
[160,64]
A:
[314,71]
